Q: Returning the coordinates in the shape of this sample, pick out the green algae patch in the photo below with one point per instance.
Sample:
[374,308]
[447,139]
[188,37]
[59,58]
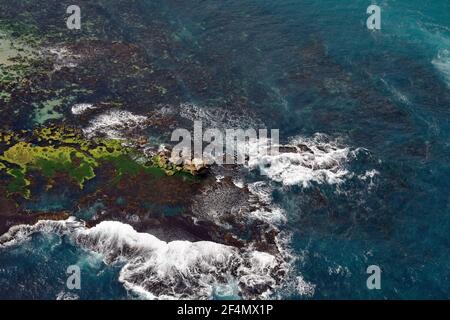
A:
[7,137]
[19,183]
[54,150]
[49,160]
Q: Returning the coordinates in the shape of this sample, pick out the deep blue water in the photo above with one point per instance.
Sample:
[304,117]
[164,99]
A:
[37,269]
[312,66]
[391,100]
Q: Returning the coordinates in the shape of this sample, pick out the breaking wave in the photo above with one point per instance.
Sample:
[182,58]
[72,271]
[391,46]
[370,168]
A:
[80,108]
[155,269]
[304,161]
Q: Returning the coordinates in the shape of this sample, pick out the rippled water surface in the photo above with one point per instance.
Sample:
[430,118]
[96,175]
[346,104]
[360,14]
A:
[380,104]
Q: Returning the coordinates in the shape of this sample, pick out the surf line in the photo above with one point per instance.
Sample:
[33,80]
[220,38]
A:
[197,311]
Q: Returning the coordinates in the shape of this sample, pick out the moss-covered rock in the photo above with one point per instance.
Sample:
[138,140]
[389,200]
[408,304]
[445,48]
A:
[53,150]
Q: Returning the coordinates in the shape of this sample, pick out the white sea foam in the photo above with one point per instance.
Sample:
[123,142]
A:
[238,183]
[113,123]
[257,271]
[219,178]
[20,233]
[267,212]
[157,269]
[155,266]
[318,159]
[305,288]
[81,108]
[273,215]
[67,296]
[262,190]
[369,176]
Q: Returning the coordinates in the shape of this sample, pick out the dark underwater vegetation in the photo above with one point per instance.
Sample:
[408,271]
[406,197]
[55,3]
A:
[363,117]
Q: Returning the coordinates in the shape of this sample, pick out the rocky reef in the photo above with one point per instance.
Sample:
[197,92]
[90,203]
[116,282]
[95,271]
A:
[84,117]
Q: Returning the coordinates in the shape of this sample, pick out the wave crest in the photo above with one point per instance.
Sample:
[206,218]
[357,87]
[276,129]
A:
[304,161]
[155,269]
